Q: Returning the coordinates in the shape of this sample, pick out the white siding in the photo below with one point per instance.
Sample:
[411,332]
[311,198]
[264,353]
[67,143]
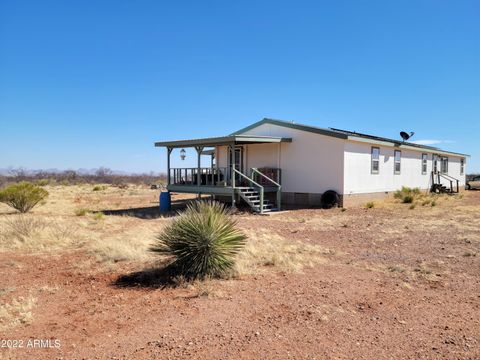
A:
[221,156]
[263,155]
[311,163]
[454,169]
[254,156]
[314,163]
[359,179]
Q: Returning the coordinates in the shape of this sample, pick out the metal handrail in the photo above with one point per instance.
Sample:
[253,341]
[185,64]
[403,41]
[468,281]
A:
[449,178]
[252,182]
[279,187]
[246,177]
[266,177]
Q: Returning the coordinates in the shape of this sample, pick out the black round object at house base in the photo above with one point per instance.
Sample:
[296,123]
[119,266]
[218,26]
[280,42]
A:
[330,199]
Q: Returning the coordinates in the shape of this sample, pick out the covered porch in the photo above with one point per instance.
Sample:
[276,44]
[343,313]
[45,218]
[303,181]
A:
[259,187]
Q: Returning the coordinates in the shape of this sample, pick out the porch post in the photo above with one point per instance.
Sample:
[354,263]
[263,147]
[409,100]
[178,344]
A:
[279,199]
[169,151]
[211,177]
[199,178]
[232,166]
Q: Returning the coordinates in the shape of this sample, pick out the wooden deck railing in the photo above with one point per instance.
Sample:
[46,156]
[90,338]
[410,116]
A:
[231,178]
[208,176]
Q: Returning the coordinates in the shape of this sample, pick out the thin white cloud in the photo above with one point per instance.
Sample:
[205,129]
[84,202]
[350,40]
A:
[432,142]
[427,142]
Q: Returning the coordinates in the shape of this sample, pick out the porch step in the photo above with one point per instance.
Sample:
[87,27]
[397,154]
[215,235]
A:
[266,209]
[257,202]
[252,197]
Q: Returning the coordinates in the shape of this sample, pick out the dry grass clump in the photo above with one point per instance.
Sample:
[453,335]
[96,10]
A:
[370,205]
[125,248]
[415,196]
[31,233]
[264,249]
[407,195]
[16,312]
[81,212]
[128,242]
[200,288]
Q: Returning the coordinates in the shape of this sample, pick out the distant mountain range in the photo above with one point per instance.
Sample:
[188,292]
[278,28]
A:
[81,171]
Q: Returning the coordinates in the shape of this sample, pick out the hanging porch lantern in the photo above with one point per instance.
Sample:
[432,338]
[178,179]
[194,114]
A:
[183,154]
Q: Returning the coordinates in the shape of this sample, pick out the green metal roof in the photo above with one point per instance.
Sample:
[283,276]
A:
[345,134]
[208,152]
[293,125]
[223,140]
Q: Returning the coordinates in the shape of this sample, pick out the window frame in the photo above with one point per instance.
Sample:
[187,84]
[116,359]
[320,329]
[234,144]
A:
[435,158]
[372,160]
[444,160]
[424,163]
[462,166]
[395,172]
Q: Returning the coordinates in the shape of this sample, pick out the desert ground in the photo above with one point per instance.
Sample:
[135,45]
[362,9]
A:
[393,281]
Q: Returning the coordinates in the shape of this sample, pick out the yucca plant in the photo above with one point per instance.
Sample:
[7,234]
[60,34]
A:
[202,241]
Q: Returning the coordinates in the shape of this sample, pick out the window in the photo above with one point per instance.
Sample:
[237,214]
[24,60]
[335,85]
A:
[435,163]
[462,166]
[375,160]
[444,165]
[424,163]
[398,161]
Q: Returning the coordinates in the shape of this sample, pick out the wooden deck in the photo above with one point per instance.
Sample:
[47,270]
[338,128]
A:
[220,182]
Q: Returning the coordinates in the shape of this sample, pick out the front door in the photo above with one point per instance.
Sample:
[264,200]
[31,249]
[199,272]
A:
[237,161]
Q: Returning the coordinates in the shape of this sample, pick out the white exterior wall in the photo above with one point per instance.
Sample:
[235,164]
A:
[359,179]
[263,155]
[314,163]
[221,156]
[454,169]
[311,163]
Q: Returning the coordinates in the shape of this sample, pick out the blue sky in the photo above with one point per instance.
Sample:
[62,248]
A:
[85,84]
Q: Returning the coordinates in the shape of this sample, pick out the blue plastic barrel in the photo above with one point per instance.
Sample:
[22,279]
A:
[165,203]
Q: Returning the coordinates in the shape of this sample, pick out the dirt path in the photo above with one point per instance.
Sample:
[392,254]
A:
[395,284]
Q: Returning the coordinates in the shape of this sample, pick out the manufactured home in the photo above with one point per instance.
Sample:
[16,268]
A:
[275,162]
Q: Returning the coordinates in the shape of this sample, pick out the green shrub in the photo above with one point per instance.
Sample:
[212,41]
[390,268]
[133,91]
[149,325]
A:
[98,215]
[202,241]
[81,212]
[370,205]
[434,203]
[23,196]
[407,199]
[407,195]
[412,207]
[99,187]
[42,182]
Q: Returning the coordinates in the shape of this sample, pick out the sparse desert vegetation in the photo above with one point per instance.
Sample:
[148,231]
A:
[23,196]
[372,280]
[202,241]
